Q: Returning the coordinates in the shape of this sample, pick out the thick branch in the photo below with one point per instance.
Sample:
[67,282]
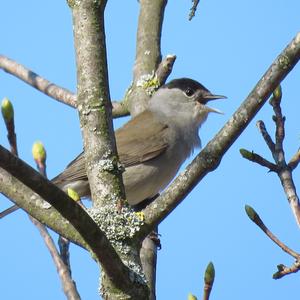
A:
[95,114]
[93,237]
[49,88]
[149,71]
[37,207]
[210,157]
[94,106]
[148,54]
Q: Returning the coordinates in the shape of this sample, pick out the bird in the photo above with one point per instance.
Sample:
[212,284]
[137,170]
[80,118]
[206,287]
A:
[152,145]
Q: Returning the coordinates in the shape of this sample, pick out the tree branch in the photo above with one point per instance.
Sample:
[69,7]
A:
[37,207]
[95,115]
[68,284]
[148,74]
[193,9]
[282,269]
[41,84]
[94,106]
[293,163]
[148,54]
[93,237]
[209,158]
[63,269]
[164,69]
[283,170]
[49,88]
[262,128]
[255,218]
[258,159]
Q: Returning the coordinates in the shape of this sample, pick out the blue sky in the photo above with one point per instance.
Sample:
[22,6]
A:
[227,47]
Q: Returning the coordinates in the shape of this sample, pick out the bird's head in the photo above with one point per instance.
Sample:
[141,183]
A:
[185,101]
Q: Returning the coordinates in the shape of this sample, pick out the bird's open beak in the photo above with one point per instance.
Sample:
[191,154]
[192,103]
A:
[210,97]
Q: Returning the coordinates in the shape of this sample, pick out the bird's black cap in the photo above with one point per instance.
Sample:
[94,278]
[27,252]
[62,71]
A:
[184,83]
[190,86]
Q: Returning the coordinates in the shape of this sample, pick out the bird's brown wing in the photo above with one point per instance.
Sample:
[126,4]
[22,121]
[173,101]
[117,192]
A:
[133,148]
[141,139]
[74,171]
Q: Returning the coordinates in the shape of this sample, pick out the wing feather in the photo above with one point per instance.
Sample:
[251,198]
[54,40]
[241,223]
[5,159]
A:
[132,147]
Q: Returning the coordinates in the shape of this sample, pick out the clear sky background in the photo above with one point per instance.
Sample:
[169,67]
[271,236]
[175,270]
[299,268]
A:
[227,47]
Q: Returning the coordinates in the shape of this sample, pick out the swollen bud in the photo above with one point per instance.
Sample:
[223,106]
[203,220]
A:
[279,274]
[277,93]
[191,297]
[38,152]
[252,214]
[7,110]
[73,194]
[209,275]
[246,154]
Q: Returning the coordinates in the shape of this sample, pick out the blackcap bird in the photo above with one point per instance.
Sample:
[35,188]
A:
[153,145]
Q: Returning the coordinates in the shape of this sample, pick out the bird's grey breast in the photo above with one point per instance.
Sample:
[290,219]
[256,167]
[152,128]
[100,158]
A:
[145,180]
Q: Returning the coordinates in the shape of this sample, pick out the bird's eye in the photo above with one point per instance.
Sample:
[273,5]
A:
[189,92]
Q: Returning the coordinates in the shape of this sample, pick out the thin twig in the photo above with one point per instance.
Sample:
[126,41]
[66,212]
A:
[207,290]
[279,121]
[12,137]
[193,9]
[254,217]
[64,245]
[252,156]
[49,88]
[164,69]
[8,211]
[262,128]
[284,270]
[283,170]
[7,110]
[43,85]
[63,270]
[40,158]
[68,284]
[293,163]
[61,260]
